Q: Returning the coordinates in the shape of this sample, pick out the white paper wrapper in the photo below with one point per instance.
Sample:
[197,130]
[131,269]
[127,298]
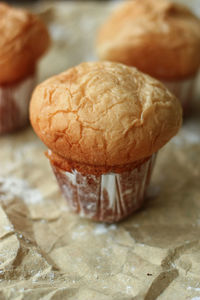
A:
[109,197]
[14,104]
[183,90]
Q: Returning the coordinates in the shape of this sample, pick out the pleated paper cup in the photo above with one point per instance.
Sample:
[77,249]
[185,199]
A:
[14,104]
[108,197]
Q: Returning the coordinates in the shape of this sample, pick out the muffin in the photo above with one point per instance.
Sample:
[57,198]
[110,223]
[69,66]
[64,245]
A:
[160,38]
[103,123]
[23,40]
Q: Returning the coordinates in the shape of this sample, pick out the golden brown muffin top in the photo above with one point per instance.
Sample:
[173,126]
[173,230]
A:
[23,39]
[158,37]
[104,114]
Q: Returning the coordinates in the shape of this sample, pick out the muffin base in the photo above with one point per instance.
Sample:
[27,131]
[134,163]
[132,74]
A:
[14,104]
[109,197]
[183,90]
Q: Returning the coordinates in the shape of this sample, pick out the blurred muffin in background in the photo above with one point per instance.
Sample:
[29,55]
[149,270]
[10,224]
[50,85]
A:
[158,37]
[23,40]
[103,123]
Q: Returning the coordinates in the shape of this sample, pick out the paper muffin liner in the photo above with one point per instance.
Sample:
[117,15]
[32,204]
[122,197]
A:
[183,90]
[109,197]
[14,104]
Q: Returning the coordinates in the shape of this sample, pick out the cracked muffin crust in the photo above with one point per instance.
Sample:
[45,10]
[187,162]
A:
[104,114]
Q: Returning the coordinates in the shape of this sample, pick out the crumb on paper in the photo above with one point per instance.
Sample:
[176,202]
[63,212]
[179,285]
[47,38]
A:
[9,228]
[190,288]
[103,229]
[11,187]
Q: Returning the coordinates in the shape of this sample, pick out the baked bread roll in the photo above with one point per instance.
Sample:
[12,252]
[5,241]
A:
[158,37]
[103,123]
[23,40]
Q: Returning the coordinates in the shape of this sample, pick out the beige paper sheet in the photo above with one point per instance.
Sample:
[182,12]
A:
[48,253]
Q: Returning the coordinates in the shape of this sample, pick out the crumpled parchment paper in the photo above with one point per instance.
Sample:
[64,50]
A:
[48,253]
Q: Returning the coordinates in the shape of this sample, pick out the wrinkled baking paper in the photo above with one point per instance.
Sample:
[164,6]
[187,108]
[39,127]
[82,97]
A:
[48,253]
